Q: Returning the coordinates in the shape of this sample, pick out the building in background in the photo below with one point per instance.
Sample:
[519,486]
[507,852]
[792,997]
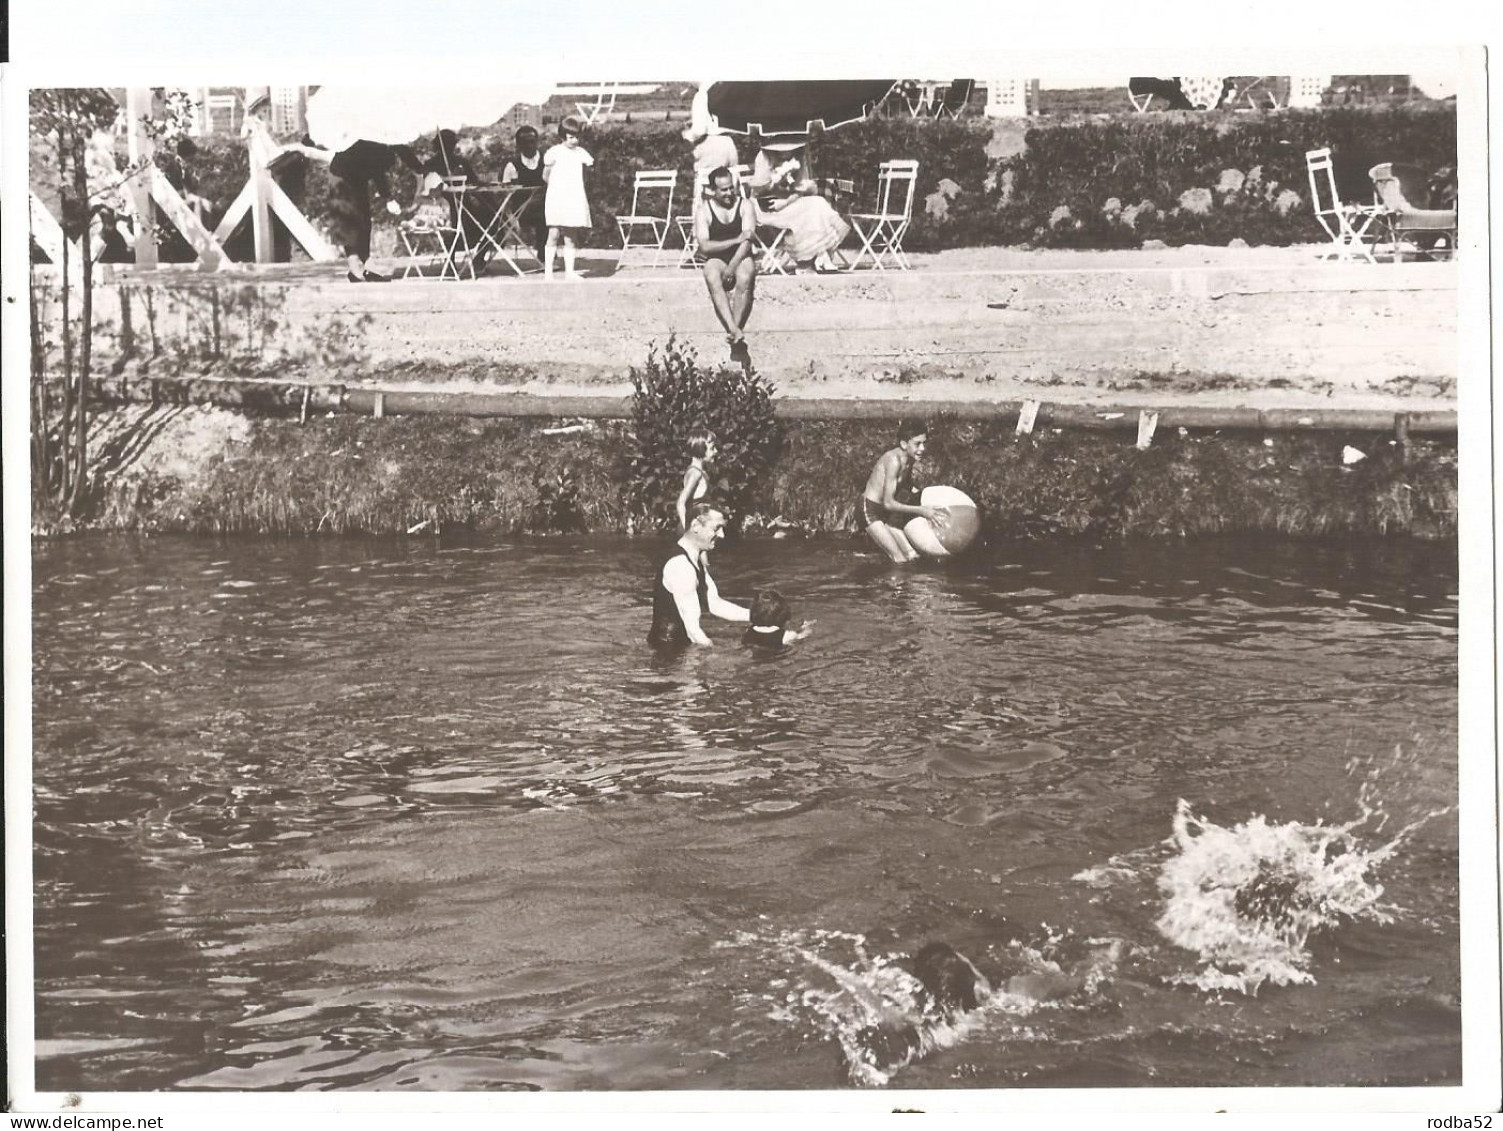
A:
[518,116]
[220,110]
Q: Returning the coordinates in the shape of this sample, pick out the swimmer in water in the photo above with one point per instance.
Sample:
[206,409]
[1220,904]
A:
[769,629]
[696,476]
[878,510]
[952,986]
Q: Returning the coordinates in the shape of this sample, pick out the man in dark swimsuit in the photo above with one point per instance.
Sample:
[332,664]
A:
[683,590]
[723,227]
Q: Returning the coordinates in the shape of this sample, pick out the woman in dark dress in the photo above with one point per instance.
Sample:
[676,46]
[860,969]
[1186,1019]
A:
[356,171]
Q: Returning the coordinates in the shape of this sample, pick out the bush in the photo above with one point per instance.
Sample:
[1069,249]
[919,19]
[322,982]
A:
[994,196]
[1160,158]
[674,397]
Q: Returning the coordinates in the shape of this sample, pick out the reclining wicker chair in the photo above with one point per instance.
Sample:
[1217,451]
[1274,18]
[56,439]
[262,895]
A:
[1429,231]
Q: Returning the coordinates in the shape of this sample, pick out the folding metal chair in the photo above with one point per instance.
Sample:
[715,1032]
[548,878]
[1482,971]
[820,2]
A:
[437,240]
[881,232]
[689,256]
[1422,229]
[1346,224]
[768,242]
[645,182]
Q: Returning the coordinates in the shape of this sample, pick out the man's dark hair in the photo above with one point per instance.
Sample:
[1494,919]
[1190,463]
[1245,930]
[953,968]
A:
[908,429]
[524,131]
[721,171]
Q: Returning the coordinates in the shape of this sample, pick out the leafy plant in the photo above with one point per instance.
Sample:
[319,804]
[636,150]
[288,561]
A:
[557,510]
[674,397]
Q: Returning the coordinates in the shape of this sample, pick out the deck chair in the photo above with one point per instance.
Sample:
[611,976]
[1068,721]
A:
[435,239]
[1262,93]
[645,183]
[918,97]
[689,253]
[601,108]
[1347,225]
[1430,231]
[766,239]
[881,232]
[1142,91]
[955,99]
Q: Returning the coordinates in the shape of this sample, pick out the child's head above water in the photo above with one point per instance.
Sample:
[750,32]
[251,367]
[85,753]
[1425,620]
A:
[769,610]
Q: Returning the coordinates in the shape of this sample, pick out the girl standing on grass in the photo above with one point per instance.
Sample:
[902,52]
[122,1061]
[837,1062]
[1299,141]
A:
[696,477]
[565,206]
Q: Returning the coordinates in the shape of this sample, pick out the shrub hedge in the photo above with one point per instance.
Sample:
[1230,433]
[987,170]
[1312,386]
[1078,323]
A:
[673,397]
[1087,182]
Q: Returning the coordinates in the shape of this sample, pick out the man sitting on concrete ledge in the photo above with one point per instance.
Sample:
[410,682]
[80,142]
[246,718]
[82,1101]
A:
[723,227]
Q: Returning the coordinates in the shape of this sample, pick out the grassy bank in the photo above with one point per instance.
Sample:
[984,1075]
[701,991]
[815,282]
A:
[212,471]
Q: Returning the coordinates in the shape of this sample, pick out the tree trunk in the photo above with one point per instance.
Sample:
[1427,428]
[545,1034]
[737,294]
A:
[58,475]
[75,498]
[41,441]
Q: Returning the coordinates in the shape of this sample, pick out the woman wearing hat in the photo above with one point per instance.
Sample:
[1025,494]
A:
[788,198]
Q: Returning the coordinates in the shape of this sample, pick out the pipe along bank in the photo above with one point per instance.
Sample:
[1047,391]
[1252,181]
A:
[278,398]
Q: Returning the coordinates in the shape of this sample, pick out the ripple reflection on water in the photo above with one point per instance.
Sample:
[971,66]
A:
[325,815]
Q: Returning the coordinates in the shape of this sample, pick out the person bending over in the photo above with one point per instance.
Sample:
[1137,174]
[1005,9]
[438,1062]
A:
[683,591]
[879,511]
[723,226]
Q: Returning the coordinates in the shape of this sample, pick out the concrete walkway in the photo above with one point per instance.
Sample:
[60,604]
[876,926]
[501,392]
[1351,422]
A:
[1261,327]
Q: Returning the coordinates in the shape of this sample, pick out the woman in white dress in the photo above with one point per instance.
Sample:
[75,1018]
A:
[788,198]
[565,206]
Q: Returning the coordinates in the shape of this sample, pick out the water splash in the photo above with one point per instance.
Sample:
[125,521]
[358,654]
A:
[881,1015]
[1247,899]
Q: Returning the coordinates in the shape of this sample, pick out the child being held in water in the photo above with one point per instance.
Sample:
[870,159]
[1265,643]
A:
[770,615]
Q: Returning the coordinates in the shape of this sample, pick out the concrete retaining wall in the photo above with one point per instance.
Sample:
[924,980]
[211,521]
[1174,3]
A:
[1352,326]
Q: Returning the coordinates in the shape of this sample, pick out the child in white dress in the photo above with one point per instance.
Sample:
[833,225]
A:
[565,206]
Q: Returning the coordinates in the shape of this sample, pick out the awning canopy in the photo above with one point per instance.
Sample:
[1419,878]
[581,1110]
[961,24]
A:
[794,106]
